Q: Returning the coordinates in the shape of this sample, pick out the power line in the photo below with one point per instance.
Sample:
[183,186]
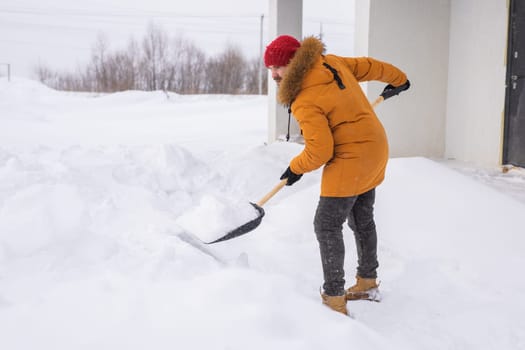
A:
[194,27]
[141,14]
[243,25]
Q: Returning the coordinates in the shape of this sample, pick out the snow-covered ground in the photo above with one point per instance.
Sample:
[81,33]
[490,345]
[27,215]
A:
[99,196]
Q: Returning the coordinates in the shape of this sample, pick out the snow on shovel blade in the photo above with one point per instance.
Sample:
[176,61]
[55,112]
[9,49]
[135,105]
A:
[212,220]
[252,224]
[243,229]
[214,217]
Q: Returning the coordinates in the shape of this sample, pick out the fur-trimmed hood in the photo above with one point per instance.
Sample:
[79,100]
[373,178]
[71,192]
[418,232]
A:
[305,57]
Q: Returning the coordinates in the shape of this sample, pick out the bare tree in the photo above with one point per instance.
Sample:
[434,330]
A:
[123,68]
[225,73]
[252,78]
[154,65]
[99,63]
[45,75]
[188,64]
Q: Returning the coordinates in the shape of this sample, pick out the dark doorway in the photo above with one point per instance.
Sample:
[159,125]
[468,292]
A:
[514,133]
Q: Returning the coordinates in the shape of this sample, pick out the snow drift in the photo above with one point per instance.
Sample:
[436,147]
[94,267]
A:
[97,193]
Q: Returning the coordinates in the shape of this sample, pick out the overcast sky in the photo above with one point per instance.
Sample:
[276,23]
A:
[61,33]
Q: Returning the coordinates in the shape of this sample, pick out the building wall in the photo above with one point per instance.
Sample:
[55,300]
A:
[476,89]
[414,36]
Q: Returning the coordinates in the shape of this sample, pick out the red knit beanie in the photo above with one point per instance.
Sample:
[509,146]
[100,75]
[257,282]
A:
[280,51]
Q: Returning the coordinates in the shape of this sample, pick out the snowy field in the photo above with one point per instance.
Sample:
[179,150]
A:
[99,195]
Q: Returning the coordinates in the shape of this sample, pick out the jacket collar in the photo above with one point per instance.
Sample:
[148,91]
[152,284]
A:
[304,59]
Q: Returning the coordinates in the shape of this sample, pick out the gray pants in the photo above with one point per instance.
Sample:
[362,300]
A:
[331,213]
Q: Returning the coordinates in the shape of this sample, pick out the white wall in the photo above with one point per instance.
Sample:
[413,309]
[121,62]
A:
[476,89]
[413,35]
[362,27]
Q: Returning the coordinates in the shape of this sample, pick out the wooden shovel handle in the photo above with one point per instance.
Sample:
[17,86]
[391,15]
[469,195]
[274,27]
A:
[272,192]
[377,101]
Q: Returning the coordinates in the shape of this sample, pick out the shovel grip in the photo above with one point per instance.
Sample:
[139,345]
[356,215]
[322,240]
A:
[272,192]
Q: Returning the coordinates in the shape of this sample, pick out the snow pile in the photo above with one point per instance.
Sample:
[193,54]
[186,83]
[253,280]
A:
[99,196]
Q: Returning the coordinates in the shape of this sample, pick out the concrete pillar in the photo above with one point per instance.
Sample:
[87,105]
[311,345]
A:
[286,17]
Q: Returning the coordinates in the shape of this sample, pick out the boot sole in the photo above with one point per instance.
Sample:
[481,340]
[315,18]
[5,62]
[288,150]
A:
[371,295]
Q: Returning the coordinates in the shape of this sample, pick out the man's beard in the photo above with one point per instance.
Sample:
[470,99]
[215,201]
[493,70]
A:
[278,80]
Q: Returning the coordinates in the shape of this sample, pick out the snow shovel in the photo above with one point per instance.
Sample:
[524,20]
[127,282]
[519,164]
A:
[251,225]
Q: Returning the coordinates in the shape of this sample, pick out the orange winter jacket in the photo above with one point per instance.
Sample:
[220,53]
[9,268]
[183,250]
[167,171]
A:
[339,126]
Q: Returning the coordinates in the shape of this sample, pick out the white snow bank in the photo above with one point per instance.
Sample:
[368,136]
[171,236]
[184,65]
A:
[93,253]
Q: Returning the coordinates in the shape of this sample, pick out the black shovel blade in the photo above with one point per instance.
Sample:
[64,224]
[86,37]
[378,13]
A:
[247,227]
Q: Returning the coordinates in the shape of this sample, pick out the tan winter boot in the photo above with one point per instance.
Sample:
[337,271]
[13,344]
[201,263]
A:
[336,303]
[365,288]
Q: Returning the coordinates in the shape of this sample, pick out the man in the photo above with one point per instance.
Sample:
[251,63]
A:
[342,133]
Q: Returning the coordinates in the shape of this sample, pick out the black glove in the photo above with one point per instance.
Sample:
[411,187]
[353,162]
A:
[291,176]
[391,90]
